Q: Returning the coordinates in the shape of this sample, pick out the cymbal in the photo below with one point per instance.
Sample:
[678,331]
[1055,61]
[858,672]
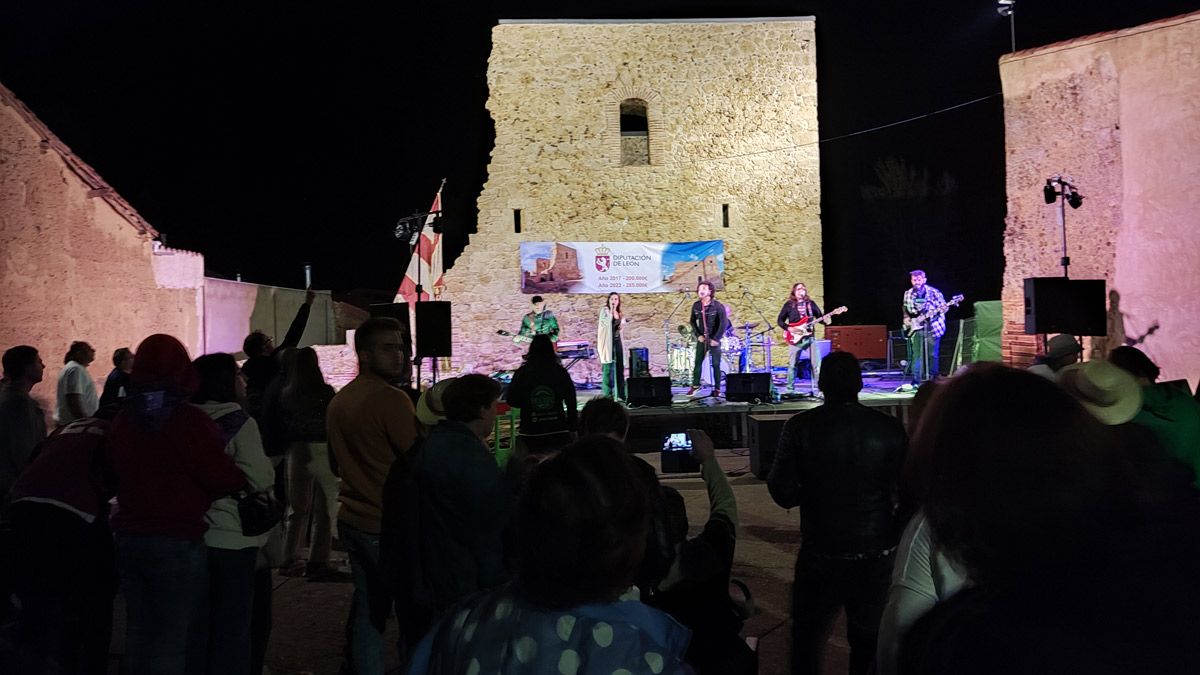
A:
[747,326]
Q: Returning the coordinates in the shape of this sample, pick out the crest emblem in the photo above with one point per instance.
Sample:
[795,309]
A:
[603,259]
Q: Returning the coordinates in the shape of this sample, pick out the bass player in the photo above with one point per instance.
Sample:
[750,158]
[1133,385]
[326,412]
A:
[924,325]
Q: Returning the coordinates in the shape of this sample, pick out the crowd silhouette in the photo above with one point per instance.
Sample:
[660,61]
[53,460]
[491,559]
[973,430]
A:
[1044,521]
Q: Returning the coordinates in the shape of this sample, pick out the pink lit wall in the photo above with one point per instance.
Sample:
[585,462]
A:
[1120,112]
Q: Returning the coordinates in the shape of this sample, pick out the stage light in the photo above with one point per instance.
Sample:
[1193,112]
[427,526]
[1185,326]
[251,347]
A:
[1048,192]
[1008,8]
[1075,199]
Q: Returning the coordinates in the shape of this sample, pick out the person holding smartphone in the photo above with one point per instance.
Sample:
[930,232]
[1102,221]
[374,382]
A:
[695,590]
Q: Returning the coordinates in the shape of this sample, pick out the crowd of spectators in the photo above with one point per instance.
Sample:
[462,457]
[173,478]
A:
[1022,522]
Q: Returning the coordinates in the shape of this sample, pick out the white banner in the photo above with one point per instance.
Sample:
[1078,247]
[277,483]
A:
[619,267]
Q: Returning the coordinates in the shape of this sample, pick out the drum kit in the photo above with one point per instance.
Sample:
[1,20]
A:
[736,350]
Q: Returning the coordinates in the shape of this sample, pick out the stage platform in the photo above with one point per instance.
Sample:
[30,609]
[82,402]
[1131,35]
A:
[728,421]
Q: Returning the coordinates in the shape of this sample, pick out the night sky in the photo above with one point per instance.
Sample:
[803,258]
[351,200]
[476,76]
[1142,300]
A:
[266,135]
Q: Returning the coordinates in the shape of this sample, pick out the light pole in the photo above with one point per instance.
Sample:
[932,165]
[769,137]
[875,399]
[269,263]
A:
[1008,8]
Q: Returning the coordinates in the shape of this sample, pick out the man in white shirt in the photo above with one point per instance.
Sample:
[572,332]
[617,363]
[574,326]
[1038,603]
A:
[76,391]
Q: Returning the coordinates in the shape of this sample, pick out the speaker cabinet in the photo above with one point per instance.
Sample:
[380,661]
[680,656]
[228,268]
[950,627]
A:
[1061,305]
[433,329]
[762,435]
[639,362]
[865,342]
[649,390]
[748,387]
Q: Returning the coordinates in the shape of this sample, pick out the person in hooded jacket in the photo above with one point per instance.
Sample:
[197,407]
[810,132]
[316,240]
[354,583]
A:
[169,464]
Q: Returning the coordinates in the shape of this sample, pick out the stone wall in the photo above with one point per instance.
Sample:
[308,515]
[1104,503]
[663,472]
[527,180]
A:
[1120,113]
[74,263]
[732,118]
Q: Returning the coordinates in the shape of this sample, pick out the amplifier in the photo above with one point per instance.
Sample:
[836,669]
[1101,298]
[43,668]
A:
[865,342]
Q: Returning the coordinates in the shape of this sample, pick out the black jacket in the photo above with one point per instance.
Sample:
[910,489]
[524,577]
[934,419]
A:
[790,313]
[715,319]
[840,463]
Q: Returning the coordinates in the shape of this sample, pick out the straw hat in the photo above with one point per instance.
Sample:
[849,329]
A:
[1062,345]
[1109,393]
[429,406]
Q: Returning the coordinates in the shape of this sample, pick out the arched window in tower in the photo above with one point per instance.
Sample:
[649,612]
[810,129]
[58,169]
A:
[635,133]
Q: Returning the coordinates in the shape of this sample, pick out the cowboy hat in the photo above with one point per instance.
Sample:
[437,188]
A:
[1109,393]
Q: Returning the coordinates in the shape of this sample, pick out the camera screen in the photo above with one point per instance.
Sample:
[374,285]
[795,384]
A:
[677,443]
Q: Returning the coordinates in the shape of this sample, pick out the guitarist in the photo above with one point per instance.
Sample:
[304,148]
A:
[924,310]
[799,307]
[540,321]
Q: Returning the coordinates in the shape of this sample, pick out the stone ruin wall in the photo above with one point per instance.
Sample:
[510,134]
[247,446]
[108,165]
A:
[1120,113]
[732,116]
[73,268]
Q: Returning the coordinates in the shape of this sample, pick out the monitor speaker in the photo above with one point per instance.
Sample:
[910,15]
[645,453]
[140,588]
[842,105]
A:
[748,387]
[639,362]
[649,390]
[1061,305]
[433,329]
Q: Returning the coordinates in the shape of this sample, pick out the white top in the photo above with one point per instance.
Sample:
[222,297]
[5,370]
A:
[74,379]
[1043,370]
[923,576]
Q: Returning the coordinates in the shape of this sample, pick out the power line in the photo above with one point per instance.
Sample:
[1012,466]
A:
[836,138]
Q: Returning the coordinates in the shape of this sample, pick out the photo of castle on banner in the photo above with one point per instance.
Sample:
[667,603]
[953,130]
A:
[620,267]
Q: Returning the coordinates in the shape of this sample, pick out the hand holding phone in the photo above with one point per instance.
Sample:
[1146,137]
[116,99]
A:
[702,445]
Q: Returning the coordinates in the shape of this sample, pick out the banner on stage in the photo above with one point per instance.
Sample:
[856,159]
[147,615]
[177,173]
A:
[620,267]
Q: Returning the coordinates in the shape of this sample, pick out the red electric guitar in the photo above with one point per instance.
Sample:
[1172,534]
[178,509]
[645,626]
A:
[800,332]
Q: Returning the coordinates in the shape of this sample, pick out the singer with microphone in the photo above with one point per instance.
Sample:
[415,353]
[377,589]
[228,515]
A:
[708,321]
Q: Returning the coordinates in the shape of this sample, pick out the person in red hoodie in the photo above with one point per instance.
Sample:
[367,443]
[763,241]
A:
[169,464]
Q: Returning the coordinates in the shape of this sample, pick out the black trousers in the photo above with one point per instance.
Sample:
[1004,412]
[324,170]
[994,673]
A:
[714,352]
[821,587]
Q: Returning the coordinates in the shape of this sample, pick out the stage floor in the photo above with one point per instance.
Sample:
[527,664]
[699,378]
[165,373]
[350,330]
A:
[728,421]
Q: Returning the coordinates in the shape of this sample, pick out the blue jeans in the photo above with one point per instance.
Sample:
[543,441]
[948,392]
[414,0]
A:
[220,639]
[921,343]
[163,580]
[371,604]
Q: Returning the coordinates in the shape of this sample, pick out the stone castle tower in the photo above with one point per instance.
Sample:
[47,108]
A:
[652,130]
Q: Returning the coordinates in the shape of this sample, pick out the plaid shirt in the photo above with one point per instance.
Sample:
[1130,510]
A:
[914,305]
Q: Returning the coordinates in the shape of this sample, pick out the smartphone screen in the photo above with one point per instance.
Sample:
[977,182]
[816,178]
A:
[677,443]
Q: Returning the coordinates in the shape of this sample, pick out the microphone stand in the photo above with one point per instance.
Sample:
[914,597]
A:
[667,330]
[411,227]
[769,326]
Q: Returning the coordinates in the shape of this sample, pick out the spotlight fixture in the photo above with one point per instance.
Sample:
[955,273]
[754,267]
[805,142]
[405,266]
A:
[1008,8]
[1060,186]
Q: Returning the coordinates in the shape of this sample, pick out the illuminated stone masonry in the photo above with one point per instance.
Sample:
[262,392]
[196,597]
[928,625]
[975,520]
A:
[643,131]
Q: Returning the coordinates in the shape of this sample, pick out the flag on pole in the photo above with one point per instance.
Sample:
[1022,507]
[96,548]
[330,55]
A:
[426,260]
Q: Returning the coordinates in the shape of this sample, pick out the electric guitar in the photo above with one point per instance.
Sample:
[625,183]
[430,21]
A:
[799,332]
[918,322]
